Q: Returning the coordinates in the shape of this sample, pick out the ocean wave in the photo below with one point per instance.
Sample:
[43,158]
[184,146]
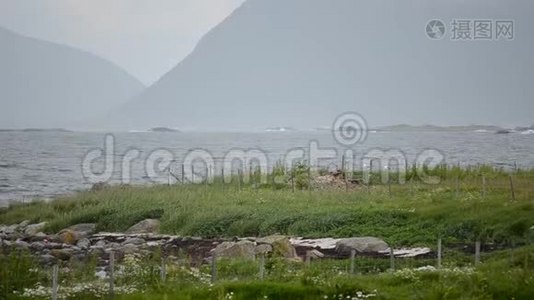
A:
[8,165]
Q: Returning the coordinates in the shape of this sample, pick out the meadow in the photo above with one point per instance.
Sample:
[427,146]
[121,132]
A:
[467,205]
[459,208]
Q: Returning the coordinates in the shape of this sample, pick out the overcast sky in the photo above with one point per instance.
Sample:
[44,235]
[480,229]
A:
[145,37]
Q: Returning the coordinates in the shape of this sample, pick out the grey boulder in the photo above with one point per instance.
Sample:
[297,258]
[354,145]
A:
[242,249]
[361,245]
[145,226]
[281,246]
[34,229]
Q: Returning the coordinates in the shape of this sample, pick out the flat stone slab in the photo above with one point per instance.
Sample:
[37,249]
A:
[324,243]
[407,253]
[329,244]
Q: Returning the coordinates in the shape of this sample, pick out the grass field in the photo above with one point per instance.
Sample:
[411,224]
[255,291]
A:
[411,214]
[499,276]
[460,209]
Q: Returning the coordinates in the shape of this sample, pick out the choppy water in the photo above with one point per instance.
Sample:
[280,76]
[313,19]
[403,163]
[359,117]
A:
[45,164]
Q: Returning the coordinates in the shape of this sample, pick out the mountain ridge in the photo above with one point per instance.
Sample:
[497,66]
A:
[49,85]
[303,63]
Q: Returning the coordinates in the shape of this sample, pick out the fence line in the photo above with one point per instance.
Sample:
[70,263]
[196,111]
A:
[292,178]
[353,266]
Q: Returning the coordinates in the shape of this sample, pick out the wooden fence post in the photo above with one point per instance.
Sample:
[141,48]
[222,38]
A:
[512,188]
[370,171]
[207,176]
[309,180]
[292,180]
[345,175]
[55,274]
[214,269]
[210,174]
[483,187]
[457,186]
[262,265]
[370,177]
[477,252]
[308,258]
[239,177]
[439,253]
[511,258]
[250,177]
[352,261]
[389,185]
[163,273]
[111,275]
[183,174]
[391,259]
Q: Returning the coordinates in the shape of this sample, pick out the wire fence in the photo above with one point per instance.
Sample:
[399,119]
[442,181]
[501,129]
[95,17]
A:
[65,278]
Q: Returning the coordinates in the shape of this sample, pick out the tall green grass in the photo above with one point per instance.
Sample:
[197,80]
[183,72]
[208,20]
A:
[408,214]
[496,278]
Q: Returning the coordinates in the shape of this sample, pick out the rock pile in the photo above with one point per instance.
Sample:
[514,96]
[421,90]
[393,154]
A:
[335,180]
[80,243]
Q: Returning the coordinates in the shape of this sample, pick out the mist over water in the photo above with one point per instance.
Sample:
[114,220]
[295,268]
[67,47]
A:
[47,164]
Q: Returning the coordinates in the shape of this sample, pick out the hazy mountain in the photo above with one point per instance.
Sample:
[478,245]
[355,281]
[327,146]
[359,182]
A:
[300,63]
[46,85]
